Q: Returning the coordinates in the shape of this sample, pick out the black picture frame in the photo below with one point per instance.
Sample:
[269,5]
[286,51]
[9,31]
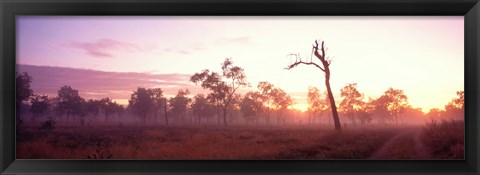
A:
[9,9]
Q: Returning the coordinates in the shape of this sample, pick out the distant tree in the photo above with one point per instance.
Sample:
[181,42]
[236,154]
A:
[57,110]
[70,102]
[413,115]
[23,91]
[119,109]
[223,91]
[317,104]
[158,100]
[266,91]
[141,103]
[365,112]
[380,110]
[93,108]
[459,102]
[179,104]
[202,108]
[165,110]
[40,105]
[108,107]
[234,108]
[217,98]
[395,102]
[435,114]
[252,106]
[321,55]
[281,102]
[80,110]
[352,101]
[455,109]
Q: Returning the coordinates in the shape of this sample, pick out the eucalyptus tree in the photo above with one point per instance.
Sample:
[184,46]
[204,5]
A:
[223,86]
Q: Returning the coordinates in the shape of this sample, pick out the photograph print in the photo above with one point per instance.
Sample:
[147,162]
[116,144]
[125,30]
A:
[240,88]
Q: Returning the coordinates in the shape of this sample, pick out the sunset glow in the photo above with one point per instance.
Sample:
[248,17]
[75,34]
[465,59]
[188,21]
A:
[112,56]
[240,88]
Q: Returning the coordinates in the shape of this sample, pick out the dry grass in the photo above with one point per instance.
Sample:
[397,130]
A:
[148,142]
[445,139]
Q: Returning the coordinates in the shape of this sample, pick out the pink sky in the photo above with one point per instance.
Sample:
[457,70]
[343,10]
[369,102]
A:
[421,55]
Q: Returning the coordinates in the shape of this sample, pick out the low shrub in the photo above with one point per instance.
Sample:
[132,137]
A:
[445,139]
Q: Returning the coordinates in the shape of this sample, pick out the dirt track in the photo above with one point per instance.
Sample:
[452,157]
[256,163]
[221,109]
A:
[405,145]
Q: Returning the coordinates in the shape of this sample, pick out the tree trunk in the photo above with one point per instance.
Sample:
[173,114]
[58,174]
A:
[165,111]
[336,120]
[225,116]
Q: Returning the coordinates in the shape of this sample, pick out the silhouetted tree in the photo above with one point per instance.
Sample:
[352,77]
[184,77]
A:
[119,109]
[80,110]
[413,115]
[365,111]
[380,110]
[455,109]
[252,106]
[158,100]
[141,103]
[57,110]
[70,102]
[165,110]
[266,92]
[234,108]
[317,104]
[321,55]
[281,101]
[179,104]
[201,108]
[222,91]
[40,105]
[108,107]
[23,91]
[93,108]
[396,102]
[352,101]
[435,114]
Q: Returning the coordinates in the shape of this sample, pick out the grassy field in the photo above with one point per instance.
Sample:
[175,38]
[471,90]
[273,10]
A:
[156,142]
[445,139]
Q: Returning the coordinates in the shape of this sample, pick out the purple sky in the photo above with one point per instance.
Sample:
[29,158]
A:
[409,53]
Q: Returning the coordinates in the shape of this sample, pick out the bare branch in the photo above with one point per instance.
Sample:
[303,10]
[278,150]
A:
[323,51]
[315,48]
[329,61]
[298,61]
[302,62]
[311,55]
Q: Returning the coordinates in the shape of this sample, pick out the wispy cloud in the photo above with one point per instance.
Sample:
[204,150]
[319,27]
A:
[103,48]
[93,84]
[187,49]
[237,40]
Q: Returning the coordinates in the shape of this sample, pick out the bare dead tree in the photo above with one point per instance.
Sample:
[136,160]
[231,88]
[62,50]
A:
[320,54]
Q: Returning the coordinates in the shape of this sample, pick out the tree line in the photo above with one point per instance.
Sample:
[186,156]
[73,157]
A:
[390,108]
[224,105]
[150,104]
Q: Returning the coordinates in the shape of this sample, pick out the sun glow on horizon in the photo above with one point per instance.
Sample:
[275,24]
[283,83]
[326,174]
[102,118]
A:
[407,53]
[300,106]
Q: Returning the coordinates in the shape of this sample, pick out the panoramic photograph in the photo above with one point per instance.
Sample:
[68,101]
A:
[240,88]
